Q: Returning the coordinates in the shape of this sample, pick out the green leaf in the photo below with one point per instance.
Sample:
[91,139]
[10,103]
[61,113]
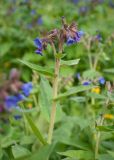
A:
[111,153]
[60,55]
[96,96]
[105,128]
[35,67]
[91,74]
[110,70]
[45,100]
[1,154]
[105,157]
[79,154]
[43,153]
[26,140]
[20,152]
[108,144]
[78,99]
[35,129]
[74,90]
[70,62]
[7,141]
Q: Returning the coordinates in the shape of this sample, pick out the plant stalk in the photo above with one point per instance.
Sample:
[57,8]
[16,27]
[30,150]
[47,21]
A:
[55,90]
[98,138]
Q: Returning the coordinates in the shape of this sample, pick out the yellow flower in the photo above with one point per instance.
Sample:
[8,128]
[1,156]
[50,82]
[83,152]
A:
[29,105]
[108,116]
[96,90]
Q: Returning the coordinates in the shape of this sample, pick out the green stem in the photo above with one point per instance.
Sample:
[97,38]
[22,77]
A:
[54,103]
[24,119]
[98,138]
[90,60]
[96,60]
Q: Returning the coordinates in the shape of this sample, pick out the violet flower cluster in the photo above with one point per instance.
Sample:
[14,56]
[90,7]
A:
[68,34]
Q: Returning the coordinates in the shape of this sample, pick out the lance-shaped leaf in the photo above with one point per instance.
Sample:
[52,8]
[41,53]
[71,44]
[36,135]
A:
[35,129]
[109,70]
[38,68]
[106,128]
[74,90]
[45,100]
[70,62]
[96,96]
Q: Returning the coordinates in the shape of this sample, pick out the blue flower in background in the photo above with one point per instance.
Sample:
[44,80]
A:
[12,101]
[83,10]
[98,37]
[86,83]
[33,12]
[27,88]
[39,45]
[75,1]
[78,76]
[111,4]
[40,20]
[17,117]
[101,80]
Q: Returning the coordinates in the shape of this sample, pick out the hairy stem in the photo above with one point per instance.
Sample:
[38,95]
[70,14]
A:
[54,104]
[98,138]
[90,60]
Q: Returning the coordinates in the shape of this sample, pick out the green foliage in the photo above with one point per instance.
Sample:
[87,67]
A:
[35,130]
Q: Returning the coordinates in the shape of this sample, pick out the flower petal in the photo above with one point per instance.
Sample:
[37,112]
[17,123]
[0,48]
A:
[38,42]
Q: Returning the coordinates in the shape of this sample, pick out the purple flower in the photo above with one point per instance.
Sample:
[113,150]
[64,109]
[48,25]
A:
[86,83]
[83,10]
[75,1]
[101,80]
[33,12]
[17,117]
[70,41]
[98,37]
[39,45]
[78,76]
[76,39]
[78,36]
[40,20]
[27,88]
[12,101]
